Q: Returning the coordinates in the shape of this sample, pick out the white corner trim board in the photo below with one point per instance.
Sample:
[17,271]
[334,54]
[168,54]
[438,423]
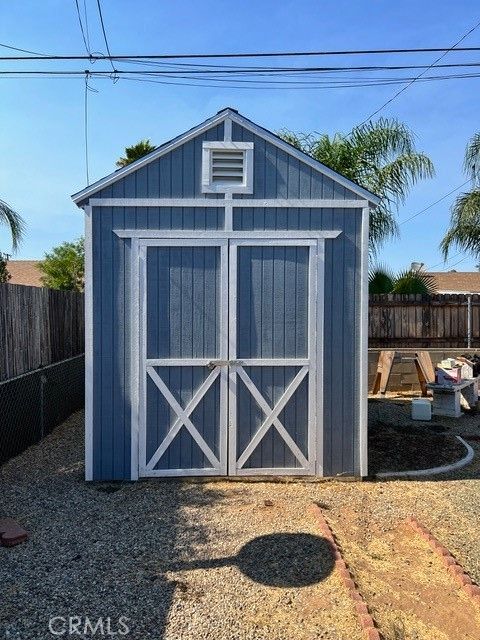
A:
[363,347]
[88,345]
[278,203]
[447,468]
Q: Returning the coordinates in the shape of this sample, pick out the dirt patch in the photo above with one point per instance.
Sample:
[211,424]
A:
[409,592]
[404,448]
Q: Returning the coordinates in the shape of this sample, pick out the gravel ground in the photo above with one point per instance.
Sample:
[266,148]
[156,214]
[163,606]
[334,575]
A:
[187,560]
[184,560]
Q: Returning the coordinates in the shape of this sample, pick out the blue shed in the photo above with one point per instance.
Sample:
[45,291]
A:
[226,311]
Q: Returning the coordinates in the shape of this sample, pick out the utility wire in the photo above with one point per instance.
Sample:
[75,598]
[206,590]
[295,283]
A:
[41,56]
[105,35]
[276,54]
[85,12]
[85,126]
[276,70]
[434,203]
[444,262]
[84,37]
[434,64]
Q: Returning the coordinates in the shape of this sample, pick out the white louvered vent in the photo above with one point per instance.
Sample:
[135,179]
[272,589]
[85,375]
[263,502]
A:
[228,166]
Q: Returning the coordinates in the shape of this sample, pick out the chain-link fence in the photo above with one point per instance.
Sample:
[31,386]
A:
[33,403]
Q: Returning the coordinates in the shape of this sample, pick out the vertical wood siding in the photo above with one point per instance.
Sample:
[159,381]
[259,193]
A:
[276,174]
[280,175]
[272,313]
[174,175]
[183,321]
[341,325]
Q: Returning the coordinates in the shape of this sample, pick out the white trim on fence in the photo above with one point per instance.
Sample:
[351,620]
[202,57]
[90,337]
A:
[88,345]
[280,203]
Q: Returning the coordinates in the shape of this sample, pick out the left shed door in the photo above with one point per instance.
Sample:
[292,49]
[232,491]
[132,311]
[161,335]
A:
[183,328]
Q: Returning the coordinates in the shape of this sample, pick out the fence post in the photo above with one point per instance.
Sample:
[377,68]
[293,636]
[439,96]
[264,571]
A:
[469,321]
[43,381]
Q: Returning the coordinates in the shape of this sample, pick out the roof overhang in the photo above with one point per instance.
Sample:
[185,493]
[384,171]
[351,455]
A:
[217,119]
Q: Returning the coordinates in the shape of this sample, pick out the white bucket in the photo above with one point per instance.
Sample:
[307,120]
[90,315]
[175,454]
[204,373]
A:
[421,409]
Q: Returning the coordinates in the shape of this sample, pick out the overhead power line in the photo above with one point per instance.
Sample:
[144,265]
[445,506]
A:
[434,64]
[105,35]
[434,203]
[41,56]
[84,37]
[273,70]
[260,54]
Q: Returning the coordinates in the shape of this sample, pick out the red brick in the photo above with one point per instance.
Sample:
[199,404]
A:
[473,590]
[361,609]
[356,596]
[367,622]
[455,569]
[462,579]
[344,574]
[349,583]
[11,533]
[448,561]
[372,634]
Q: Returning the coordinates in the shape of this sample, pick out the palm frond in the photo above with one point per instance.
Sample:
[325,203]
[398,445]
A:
[464,230]
[380,279]
[471,163]
[410,282]
[14,221]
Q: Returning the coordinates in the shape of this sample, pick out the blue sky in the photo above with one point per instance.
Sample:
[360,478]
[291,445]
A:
[42,137]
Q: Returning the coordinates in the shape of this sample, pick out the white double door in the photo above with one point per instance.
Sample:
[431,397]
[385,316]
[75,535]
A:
[229,355]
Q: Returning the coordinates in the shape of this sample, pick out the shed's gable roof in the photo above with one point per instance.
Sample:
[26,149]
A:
[215,120]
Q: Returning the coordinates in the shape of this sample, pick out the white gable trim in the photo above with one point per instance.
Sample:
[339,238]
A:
[227,116]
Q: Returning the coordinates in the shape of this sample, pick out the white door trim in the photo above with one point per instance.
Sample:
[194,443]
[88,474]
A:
[154,235]
[307,365]
[144,368]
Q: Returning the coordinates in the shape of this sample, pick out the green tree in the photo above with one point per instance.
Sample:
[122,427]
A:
[64,267]
[14,222]
[379,156]
[382,279]
[135,152]
[464,229]
[4,272]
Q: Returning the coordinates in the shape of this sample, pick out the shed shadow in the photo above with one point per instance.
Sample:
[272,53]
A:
[285,560]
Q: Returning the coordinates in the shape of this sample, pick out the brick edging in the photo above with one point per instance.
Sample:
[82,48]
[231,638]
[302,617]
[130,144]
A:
[361,609]
[459,574]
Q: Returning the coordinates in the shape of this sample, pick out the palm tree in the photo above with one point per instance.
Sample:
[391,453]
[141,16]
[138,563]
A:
[379,156]
[14,221]
[464,230]
[382,279]
[135,152]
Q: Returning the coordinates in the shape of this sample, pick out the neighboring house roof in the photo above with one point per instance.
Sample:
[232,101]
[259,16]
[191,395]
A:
[456,281]
[24,272]
[207,124]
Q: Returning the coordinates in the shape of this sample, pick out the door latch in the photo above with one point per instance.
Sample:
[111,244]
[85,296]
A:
[223,363]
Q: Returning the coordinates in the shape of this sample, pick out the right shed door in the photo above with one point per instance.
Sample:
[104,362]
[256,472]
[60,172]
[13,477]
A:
[273,353]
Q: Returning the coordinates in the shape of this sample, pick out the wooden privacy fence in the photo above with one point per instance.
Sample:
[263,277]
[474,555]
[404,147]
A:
[442,320]
[38,327]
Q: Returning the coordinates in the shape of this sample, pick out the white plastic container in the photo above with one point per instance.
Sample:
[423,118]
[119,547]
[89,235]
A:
[421,409]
